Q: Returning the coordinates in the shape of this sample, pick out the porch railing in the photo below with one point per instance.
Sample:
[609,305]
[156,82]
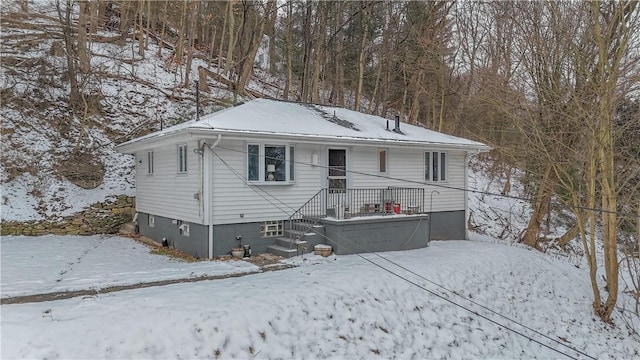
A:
[348,203]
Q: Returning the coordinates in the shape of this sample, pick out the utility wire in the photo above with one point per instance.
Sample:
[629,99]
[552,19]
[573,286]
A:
[244,180]
[443,186]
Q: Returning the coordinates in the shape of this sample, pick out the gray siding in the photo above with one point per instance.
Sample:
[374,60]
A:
[374,235]
[448,225]
[196,244]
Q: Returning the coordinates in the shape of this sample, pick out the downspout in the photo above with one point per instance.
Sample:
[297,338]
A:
[208,191]
[466,196]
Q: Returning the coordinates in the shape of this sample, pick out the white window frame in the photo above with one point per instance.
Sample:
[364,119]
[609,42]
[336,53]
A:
[442,167]
[289,165]
[151,221]
[182,158]
[386,161]
[149,162]
[272,228]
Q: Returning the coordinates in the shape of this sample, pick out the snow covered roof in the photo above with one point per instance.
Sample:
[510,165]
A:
[271,118]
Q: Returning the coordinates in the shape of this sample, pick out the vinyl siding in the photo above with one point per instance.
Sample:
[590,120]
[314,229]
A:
[408,164]
[234,201]
[167,193]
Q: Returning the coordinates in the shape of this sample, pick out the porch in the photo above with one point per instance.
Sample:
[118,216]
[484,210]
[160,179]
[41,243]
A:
[357,221]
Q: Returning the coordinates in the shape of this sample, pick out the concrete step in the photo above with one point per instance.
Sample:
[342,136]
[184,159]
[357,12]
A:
[284,242]
[285,252]
[299,234]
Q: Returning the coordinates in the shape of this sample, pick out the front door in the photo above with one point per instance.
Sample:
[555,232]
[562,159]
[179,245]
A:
[337,180]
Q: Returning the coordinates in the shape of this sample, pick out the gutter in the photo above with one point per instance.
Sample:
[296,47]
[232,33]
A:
[139,144]
[337,140]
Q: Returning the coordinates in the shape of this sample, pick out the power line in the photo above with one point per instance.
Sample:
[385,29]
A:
[449,187]
[244,180]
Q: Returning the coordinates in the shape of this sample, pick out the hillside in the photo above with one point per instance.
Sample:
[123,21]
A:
[56,161]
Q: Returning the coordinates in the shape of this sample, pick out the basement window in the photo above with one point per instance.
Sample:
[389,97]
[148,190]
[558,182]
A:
[151,221]
[435,166]
[271,228]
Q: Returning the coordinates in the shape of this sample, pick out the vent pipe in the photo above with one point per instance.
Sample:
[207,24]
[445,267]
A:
[387,125]
[397,128]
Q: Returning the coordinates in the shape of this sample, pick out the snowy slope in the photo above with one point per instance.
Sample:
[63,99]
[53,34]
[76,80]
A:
[45,264]
[39,130]
[343,309]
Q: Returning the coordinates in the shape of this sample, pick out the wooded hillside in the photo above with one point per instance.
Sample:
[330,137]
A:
[552,86]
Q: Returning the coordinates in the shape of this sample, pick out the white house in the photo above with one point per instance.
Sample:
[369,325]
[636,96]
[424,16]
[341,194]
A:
[268,173]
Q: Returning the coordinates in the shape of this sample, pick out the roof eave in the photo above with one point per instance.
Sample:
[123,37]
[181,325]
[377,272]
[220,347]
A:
[134,145]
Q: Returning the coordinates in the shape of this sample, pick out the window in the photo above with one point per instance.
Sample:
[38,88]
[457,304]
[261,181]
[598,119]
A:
[291,164]
[151,221]
[274,163]
[435,166]
[150,162]
[253,162]
[270,163]
[271,228]
[382,160]
[182,159]
[337,171]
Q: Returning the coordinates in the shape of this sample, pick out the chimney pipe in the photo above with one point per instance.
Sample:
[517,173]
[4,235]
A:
[397,129]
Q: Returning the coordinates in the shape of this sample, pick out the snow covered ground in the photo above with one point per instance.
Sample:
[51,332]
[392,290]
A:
[345,307]
[45,264]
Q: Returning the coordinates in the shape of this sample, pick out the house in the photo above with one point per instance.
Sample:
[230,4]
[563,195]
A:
[274,174]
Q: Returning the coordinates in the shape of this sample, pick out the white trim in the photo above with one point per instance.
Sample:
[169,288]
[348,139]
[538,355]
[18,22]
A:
[182,135]
[210,241]
[150,162]
[208,191]
[466,197]
[179,163]
[262,163]
[440,165]
[206,185]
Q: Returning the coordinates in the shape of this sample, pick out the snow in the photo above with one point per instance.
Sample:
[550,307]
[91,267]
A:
[311,122]
[341,307]
[46,264]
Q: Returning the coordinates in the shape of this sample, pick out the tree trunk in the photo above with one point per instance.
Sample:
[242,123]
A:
[365,14]
[83,51]
[248,60]
[164,22]
[288,49]
[540,210]
[308,47]
[232,40]
[141,36]
[67,31]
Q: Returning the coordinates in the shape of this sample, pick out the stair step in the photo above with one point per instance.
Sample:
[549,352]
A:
[282,251]
[301,234]
[285,242]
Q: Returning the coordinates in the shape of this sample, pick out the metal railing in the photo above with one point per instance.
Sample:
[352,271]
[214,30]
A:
[350,203]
